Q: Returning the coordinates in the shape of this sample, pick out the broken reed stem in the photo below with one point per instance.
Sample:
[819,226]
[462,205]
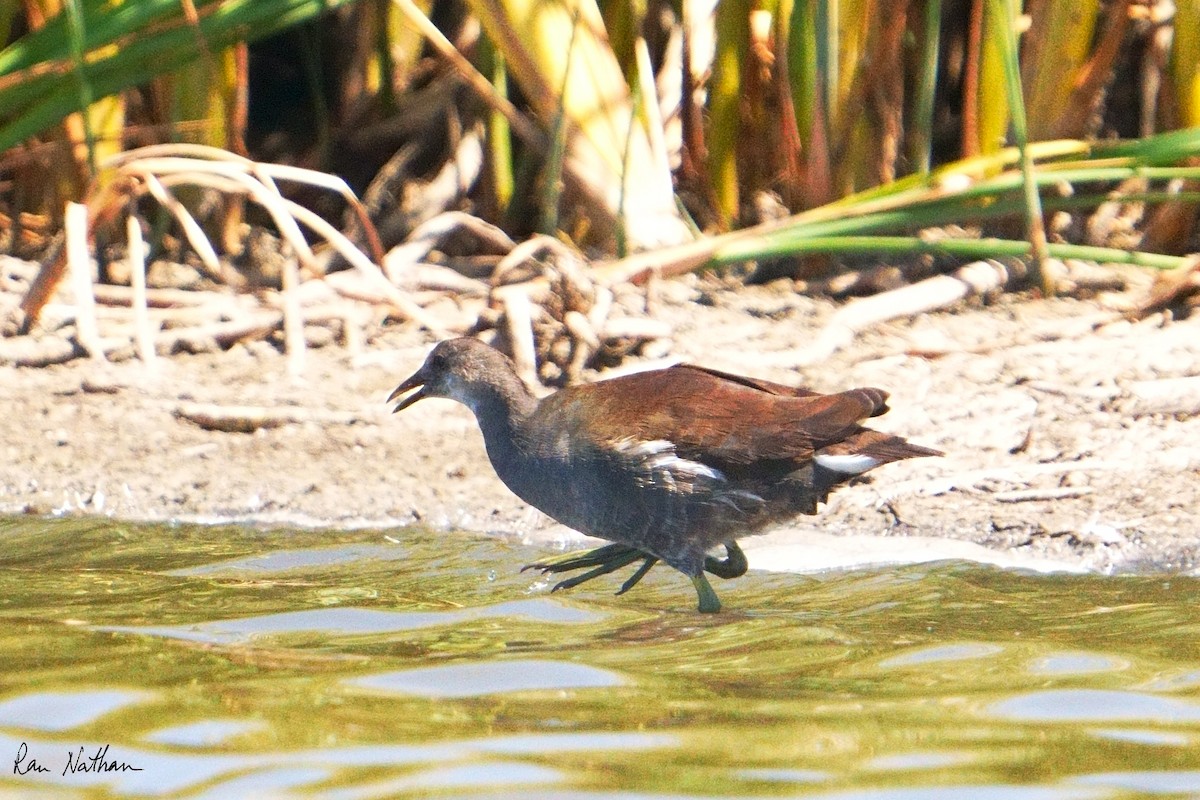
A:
[1004,16]
[293,319]
[75,226]
[143,336]
[941,291]
[191,229]
[518,310]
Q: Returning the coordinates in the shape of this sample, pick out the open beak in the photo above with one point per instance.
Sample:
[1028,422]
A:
[417,381]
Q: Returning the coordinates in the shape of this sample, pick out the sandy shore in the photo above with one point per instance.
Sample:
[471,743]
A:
[1069,436]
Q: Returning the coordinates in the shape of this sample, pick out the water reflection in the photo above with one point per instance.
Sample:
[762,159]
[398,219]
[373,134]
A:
[950,652]
[61,711]
[152,772]
[973,792]
[163,773]
[230,662]
[1164,782]
[909,761]
[469,680]
[205,733]
[284,560]
[785,775]
[1065,663]
[1142,736]
[351,620]
[482,776]
[1088,705]
[267,782]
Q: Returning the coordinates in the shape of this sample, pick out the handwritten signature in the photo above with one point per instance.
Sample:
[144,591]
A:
[77,762]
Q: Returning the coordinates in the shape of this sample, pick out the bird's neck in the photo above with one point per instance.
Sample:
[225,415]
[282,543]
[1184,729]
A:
[503,409]
[508,420]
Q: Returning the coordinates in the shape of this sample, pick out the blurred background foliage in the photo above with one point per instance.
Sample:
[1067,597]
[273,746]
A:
[614,123]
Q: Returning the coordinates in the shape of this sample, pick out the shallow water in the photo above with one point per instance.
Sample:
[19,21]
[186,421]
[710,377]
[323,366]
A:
[229,662]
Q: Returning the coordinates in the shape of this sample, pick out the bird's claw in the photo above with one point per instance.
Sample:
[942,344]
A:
[612,557]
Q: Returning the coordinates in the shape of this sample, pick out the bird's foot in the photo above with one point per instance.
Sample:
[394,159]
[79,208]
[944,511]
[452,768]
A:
[584,558]
[604,560]
[612,557]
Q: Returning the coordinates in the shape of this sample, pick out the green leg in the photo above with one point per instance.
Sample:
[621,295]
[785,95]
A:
[732,566]
[709,604]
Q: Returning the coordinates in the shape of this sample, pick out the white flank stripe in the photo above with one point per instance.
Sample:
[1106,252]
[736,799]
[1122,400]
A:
[677,464]
[659,454]
[854,464]
[650,448]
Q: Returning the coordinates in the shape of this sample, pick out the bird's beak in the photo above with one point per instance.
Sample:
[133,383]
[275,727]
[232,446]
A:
[416,381]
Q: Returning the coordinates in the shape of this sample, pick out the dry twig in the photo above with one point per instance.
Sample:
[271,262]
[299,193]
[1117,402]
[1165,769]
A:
[562,320]
[942,291]
[247,419]
[158,171]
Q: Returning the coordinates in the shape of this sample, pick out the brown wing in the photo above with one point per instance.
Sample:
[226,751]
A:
[781,389]
[715,418]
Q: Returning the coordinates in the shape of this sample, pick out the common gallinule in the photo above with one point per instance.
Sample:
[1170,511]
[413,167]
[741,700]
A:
[666,464]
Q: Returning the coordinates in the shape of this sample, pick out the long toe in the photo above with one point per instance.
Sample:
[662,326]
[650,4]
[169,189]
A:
[603,569]
[638,575]
[581,559]
[623,558]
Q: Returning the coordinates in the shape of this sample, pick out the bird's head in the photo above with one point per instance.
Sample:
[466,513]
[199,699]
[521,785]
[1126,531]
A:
[461,369]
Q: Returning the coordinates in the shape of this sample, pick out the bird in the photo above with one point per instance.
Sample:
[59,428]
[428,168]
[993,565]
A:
[665,464]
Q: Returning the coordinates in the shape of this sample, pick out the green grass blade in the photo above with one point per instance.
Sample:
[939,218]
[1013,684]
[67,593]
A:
[1003,15]
[117,56]
[74,15]
[963,248]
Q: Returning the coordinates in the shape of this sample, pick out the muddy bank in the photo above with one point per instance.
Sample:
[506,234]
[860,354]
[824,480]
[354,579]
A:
[1071,435]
